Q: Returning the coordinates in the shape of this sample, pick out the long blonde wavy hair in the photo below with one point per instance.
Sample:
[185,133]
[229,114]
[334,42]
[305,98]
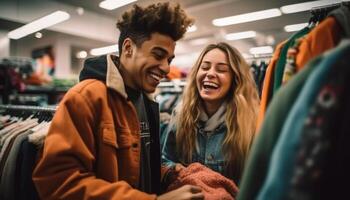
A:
[241,113]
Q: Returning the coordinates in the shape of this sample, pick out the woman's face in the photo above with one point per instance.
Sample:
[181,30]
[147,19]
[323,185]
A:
[214,77]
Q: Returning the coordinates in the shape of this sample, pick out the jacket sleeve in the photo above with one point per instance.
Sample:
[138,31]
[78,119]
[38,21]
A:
[66,167]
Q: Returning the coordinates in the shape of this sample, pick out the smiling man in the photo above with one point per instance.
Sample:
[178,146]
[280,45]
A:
[104,139]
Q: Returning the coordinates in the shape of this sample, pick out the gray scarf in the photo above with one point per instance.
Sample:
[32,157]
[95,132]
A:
[210,124]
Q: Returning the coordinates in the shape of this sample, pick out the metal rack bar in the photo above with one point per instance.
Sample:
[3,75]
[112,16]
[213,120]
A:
[268,56]
[29,108]
[173,83]
[328,8]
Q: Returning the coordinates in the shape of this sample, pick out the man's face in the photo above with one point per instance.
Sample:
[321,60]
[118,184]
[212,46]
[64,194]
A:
[148,64]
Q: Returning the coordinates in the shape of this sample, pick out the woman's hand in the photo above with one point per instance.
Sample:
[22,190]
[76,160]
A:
[178,167]
[186,192]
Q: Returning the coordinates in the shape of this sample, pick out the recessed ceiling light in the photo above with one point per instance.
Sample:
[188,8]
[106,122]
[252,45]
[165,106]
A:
[113,4]
[295,27]
[81,54]
[38,35]
[192,28]
[240,35]
[39,24]
[104,50]
[80,10]
[247,17]
[300,7]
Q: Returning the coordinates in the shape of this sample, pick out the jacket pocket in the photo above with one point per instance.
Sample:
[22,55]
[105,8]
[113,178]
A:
[110,137]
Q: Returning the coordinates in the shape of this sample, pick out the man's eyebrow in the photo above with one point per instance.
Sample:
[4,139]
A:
[163,51]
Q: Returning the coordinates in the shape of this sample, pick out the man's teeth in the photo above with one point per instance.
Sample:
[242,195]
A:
[156,77]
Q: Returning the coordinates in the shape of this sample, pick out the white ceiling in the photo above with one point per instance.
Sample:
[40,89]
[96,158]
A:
[98,24]
[204,11]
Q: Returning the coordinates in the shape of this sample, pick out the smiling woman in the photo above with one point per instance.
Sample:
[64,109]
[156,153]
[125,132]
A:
[215,122]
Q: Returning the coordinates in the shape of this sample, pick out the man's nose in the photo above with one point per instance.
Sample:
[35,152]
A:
[165,67]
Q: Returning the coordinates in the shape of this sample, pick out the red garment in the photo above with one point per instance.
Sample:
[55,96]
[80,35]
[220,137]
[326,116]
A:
[214,185]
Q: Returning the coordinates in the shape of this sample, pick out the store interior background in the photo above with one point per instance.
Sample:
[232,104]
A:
[91,26]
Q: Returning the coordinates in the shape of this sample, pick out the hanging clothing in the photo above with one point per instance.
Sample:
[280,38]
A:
[266,93]
[317,163]
[16,167]
[283,157]
[259,157]
[279,69]
[333,29]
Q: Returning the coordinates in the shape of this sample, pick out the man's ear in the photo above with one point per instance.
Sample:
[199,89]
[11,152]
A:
[127,47]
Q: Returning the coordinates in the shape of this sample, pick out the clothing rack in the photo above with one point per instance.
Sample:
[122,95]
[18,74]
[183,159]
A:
[172,83]
[328,8]
[174,86]
[28,108]
[264,56]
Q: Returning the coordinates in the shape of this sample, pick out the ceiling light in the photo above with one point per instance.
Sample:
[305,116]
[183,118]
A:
[80,10]
[295,27]
[192,28]
[247,17]
[300,7]
[104,50]
[270,40]
[38,35]
[261,50]
[240,35]
[113,4]
[81,54]
[39,24]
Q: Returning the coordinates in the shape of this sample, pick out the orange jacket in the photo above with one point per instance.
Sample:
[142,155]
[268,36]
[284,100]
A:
[323,37]
[92,150]
[268,85]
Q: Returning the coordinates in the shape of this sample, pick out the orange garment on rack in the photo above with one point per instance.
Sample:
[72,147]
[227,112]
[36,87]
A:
[268,84]
[323,37]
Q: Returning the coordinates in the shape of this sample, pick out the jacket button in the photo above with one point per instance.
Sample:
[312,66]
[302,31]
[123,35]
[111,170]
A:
[134,145]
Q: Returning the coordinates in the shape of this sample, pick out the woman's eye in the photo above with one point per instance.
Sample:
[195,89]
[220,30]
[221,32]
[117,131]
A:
[222,69]
[205,66]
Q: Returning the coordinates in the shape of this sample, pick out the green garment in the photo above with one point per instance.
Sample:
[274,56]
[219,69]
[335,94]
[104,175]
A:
[279,69]
[276,114]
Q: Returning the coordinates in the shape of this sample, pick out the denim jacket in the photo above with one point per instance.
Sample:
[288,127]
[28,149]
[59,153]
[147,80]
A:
[208,151]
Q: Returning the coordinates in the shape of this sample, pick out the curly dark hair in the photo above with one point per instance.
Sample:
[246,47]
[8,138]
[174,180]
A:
[139,23]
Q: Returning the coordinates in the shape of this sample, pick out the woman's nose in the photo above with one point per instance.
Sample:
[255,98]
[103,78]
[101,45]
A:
[211,73]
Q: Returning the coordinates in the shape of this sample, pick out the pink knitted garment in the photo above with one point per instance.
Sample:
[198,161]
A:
[214,185]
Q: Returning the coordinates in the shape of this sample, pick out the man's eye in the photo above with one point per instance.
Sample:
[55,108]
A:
[169,60]
[158,56]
